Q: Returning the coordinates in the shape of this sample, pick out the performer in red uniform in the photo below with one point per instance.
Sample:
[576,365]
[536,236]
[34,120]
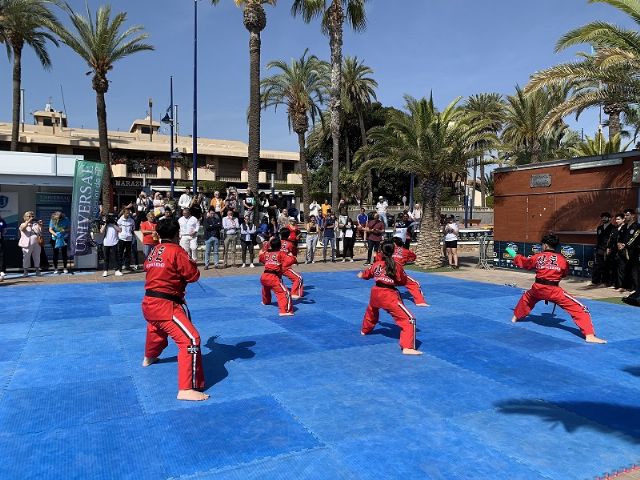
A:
[275,262]
[388,274]
[402,256]
[169,269]
[551,267]
[289,247]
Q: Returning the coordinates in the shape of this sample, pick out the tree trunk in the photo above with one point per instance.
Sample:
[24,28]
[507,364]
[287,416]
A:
[614,123]
[304,173]
[347,153]
[483,186]
[336,22]
[104,150]
[17,78]
[429,250]
[363,137]
[253,160]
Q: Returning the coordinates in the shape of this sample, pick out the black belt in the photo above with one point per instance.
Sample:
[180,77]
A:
[542,281]
[382,285]
[166,296]
[279,275]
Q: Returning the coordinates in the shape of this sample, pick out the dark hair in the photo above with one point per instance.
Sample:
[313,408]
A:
[275,244]
[552,240]
[630,210]
[387,254]
[398,241]
[284,233]
[167,228]
[605,214]
[621,215]
[187,209]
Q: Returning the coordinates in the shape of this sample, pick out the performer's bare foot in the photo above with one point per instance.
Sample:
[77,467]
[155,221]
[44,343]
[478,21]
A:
[514,319]
[593,339]
[296,297]
[422,305]
[149,361]
[362,333]
[411,351]
[288,314]
[192,395]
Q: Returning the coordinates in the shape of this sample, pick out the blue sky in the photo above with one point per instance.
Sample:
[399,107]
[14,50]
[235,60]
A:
[451,47]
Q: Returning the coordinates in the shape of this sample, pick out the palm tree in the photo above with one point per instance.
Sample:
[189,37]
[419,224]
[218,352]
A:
[432,145]
[488,108]
[301,86]
[334,13]
[598,145]
[255,20]
[101,42]
[358,89]
[25,22]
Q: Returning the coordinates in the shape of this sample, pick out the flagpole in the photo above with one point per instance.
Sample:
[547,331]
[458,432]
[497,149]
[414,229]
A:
[195,97]
[171,156]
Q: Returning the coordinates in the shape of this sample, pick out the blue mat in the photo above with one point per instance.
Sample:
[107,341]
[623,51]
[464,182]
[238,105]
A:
[307,396]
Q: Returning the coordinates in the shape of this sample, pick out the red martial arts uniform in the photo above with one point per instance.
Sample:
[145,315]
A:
[293,239]
[551,267]
[384,295]
[402,256]
[297,287]
[169,269]
[274,265]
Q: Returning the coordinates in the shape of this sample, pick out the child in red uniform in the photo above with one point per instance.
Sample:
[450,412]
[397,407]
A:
[402,256]
[387,274]
[275,262]
[551,267]
[169,269]
[289,247]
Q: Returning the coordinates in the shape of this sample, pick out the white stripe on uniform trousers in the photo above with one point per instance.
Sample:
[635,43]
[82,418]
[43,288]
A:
[412,320]
[193,355]
[286,292]
[576,300]
[416,282]
[299,277]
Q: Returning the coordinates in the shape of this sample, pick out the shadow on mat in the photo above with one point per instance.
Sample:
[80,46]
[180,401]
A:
[623,421]
[548,320]
[635,371]
[391,330]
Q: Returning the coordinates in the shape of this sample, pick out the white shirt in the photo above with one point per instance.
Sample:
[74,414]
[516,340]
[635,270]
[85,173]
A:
[127,226]
[188,226]
[246,231]
[230,225]
[110,236]
[184,201]
[381,207]
[314,208]
[451,232]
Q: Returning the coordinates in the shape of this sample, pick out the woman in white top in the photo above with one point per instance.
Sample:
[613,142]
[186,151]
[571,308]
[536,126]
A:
[314,209]
[110,230]
[30,235]
[349,236]
[125,238]
[451,241]
[247,234]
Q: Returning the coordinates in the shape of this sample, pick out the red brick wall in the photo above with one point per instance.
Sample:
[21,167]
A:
[573,202]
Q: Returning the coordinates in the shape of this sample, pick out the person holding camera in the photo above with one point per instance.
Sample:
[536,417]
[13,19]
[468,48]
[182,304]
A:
[125,238]
[110,231]
[31,242]
[451,231]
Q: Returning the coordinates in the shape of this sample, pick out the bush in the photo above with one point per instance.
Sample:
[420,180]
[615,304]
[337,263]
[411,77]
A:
[489,201]
[211,186]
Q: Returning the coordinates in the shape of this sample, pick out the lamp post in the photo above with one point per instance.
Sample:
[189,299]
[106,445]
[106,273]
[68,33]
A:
[195,97]
[168,118]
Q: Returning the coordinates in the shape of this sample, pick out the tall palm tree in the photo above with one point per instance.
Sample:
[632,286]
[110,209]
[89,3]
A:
[489,108]
[26,22]
[358,89]
[300,86]
[432,145]
[334,13]
[255,20]
[101,41]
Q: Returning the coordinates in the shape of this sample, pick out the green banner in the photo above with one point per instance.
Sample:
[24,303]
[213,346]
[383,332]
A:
[85,204]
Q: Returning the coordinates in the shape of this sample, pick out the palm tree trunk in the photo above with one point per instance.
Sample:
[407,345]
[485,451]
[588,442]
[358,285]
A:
[304,173]
[614,123]
[253,160]
[429,250]
[347,153]
[17,78]
[336,22]
[363,137]
[101,108]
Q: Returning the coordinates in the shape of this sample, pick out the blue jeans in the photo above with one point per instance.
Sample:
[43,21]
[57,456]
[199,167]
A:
[207,250]
[383,217]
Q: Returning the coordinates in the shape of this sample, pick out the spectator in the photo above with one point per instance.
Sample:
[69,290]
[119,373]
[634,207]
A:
[451,241]
[417,213]
[325,207]
[363,218]
[217,203]
[292,211]
[59,230]
[31,242]
[273,209]
[158,205]
[149,235]
[3,226]
[185,199]
[195,208]
[349,239]
[281,202]
[110,230]
[231,203]
[264,230]
[247,237]
[619,267]
[375,232]
[263,206]
[142,206]
[329,236]
[403,229]
[283,219]
[314,208]
[230,226]
[342,221]
[249,204]
[212,226]
[125,239]
[603,233]
[628,244]
[204,202]
[189,227]
[381,208]
[312,238]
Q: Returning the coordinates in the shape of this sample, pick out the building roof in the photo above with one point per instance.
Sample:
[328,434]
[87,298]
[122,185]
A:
[570,161]
[144,122]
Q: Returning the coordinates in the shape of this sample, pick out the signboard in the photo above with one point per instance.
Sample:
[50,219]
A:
[540,180]
[46,205]
[87,184]
[125,183]
[579,257]
[9,211]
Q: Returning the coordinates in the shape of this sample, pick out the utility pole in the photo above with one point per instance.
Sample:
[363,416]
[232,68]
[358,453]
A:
[171,120]
[150,119]
[195,97]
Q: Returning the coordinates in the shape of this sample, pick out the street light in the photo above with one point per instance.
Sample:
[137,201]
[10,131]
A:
[169,119]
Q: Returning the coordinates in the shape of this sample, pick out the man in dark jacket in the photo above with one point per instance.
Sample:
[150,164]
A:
[212,225]
[603,233]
